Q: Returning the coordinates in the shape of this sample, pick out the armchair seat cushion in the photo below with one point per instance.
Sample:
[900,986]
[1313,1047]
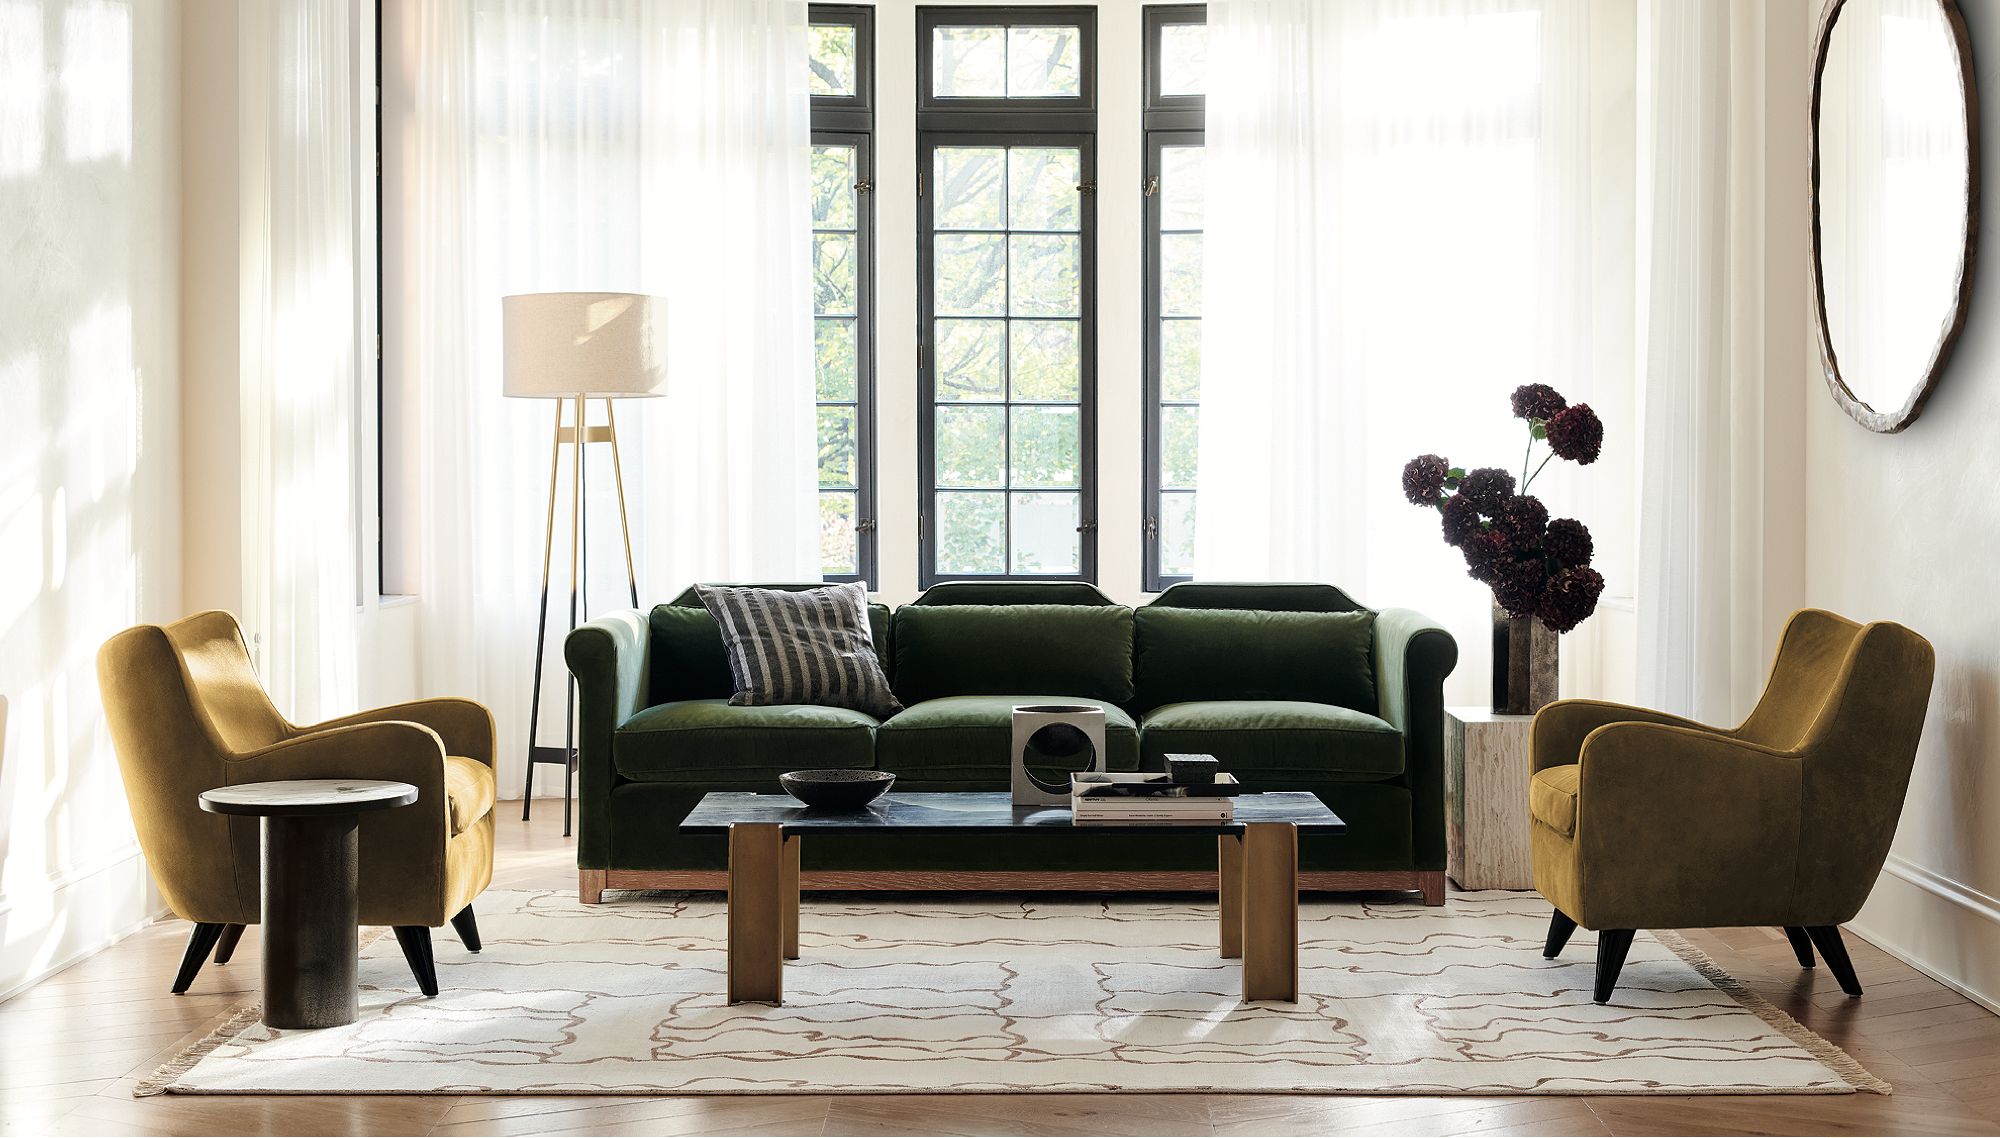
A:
[468,790]
[1552,797]
[710,741]
[962,742]
[1278,744]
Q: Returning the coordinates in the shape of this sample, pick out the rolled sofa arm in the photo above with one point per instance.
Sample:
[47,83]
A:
[1560,728]
[1413,655]
[611,658]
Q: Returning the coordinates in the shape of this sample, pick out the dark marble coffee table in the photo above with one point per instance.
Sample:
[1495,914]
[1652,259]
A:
[1257,860]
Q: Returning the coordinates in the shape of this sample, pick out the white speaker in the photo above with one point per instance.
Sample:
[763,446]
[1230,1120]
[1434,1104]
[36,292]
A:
[1069,736]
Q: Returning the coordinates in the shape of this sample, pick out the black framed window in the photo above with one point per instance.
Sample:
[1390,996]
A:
[1175,71]
[1006,235]
[842,58]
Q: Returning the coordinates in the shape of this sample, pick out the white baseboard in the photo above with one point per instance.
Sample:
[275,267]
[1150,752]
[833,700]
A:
[85,912]
[1943,928]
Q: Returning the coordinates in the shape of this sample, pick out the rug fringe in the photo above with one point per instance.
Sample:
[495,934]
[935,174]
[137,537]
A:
[169,1073]
[1822,1049]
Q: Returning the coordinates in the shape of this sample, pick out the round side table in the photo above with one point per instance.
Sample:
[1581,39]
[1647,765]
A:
[312,906]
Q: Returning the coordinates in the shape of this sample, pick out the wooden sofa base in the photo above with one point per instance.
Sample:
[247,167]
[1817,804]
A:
[591,883]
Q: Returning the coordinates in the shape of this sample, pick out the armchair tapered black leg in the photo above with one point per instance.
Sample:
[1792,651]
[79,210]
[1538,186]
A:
[199,945]
[1612,945]
[227,947]
[416,942]
[1834,952]
[1801,945]
[1560,926]
[468,928]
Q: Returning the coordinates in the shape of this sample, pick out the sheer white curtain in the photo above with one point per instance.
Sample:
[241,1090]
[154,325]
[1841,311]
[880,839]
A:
[655,146]
[298,307]
[1398,235]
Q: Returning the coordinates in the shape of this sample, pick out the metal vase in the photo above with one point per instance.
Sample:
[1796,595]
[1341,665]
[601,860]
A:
[1525,655]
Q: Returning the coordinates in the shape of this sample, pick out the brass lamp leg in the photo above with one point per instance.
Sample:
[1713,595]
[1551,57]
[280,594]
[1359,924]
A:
[756,913]
[1270,911]
[542,620]
[1229,893]
[624,520]
[575,587]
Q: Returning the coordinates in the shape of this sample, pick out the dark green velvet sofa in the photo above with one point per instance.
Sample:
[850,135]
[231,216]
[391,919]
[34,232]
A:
[1291,687]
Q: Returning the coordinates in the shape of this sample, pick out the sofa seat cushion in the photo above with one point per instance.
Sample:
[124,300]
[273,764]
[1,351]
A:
[469,791]
[1552,797]
[709,741]
[962,742]
[1276,744]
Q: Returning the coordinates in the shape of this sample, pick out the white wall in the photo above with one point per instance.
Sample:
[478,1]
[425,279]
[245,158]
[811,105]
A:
[1907,527]
[90,495]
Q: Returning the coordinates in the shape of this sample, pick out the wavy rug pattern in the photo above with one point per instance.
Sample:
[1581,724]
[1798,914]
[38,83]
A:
[988,994]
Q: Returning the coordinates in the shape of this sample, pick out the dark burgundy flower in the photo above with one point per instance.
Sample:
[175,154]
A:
[1423,479]
[1518,585]
[1487,488]
[1569,597]
[1576,434]
[1461,519]
[1537,401]
[1487,553]
[1568,542]
[1522,518]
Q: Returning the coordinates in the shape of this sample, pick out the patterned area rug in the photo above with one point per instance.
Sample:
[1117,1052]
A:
[989,994]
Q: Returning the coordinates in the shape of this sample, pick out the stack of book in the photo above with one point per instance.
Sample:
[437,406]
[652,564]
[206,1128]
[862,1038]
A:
[1149,800]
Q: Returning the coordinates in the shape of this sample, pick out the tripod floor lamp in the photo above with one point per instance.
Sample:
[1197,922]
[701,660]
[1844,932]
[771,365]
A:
[576,347]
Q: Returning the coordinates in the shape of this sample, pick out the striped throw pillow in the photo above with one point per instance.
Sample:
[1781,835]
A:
[808,646]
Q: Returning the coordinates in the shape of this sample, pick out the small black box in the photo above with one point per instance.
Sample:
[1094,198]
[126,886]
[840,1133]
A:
[1191,770]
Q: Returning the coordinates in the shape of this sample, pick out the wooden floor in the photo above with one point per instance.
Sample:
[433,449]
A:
[72,1047]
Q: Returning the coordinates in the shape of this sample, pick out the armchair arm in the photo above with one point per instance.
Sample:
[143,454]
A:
[611,658]
[1560,728]
[1413,655]
[1686,827]
[465,725]
[402,850]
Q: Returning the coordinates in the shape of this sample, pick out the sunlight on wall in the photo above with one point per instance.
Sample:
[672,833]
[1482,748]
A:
[97,81]
[23,77]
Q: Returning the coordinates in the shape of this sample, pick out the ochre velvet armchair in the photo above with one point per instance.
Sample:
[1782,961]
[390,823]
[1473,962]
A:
[187,714]
[1646,820]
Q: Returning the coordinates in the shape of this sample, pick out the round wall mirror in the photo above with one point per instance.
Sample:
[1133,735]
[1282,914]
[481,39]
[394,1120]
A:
[1895,200]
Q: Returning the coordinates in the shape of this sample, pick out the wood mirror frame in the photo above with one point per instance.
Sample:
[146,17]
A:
[1889,422]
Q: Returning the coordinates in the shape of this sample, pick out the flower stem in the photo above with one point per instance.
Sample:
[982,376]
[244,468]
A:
[1537,473]
[1526,454]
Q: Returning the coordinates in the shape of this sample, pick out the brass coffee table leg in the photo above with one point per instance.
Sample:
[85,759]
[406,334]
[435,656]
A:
[1229,892]
[788,895]
[1270,911]
[756,913]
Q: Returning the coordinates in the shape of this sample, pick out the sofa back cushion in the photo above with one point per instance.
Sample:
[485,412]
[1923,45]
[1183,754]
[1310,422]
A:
[1073,650]
[689,661]
[1183,655]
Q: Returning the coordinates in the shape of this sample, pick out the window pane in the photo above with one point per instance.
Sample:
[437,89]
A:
[971,276]
[1180,274]
[1180,360]
[1046,357]
[969,62]
[1047,271]
[1045,533]
[834,275]
[1178,446]
[1042,62]
[831,48]
[836,446]
[1047,447]
[837,553]
[833,187]
[1183,59]
[972,533]
[1182,195]
[834,359]
[1041,188]
[971,446]
[1177,534]
[971,192]
[969,360]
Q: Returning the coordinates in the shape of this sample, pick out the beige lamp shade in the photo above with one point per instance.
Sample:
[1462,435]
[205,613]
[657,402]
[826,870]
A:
[605,345]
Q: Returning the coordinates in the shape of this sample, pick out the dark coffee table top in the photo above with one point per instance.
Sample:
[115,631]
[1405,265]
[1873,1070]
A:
[958,811]
[307,797]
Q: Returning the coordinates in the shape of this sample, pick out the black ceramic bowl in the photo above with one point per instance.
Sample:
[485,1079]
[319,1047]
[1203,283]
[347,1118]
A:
[836,790]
